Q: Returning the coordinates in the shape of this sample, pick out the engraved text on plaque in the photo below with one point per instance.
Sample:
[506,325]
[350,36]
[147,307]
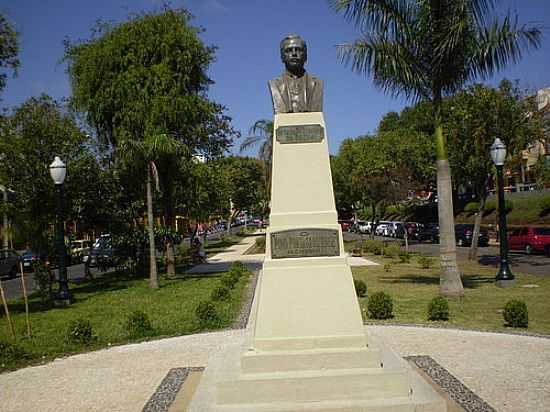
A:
[302,133]
[304,243]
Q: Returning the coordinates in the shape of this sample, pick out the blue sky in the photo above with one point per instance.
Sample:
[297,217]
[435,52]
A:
[247,34]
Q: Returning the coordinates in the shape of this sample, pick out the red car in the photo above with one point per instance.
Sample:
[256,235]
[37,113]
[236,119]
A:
[530,239]
[346,225]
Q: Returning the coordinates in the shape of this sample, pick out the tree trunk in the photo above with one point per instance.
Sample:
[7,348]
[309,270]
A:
[450,283]
[169,221]
[472,253]
[153,274]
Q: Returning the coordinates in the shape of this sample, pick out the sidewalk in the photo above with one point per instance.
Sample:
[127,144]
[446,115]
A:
[510,372]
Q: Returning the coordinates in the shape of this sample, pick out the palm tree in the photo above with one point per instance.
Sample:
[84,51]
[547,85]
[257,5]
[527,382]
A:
[143,154]
[425,50]
[262,132]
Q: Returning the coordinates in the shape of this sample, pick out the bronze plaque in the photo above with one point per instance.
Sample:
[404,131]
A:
[301,133]
[305,243]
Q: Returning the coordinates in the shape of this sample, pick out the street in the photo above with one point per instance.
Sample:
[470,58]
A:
[536,264]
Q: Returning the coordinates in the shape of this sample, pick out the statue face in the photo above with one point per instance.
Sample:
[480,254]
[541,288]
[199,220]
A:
[294,55]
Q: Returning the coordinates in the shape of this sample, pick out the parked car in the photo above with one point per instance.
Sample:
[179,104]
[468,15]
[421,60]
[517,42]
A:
[29,259]
[464,234]
[398,230]
[78,249]
[530,239]
[345,224]
[382,229]
[102,251]
[9,262]
[427,232]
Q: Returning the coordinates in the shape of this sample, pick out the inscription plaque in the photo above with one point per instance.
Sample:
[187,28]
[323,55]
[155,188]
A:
[301,133]
[304,243]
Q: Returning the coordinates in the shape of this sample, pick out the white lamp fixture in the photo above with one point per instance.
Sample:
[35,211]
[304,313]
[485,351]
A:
[58,171]
[498,152]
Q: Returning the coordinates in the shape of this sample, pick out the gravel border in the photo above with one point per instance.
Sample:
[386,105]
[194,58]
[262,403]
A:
[456,390]
[166,392]
[246,307]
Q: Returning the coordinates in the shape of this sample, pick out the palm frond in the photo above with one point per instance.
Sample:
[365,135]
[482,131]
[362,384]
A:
[502,43]
[394,66]
[250,141]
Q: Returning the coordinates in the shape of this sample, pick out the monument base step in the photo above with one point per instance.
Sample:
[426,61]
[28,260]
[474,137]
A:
[255,361]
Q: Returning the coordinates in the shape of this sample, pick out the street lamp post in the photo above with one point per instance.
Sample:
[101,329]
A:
[504,277]
[58,171]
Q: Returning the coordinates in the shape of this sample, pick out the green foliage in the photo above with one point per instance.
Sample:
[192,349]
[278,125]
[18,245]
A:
[404,257]
[392,250]
[79,332]
[544,206]
[138,325]
[438,309]
[10,353]
[516,314]
[373,246]
[356,251]
[471,208]
[260,242]
[387,267]
[207,314]
[380,305]
[230,279]
[220,293]
[9,49]
[492,205]
[360,287]
[239,267]
[392,211]
[44,279]
[425,262]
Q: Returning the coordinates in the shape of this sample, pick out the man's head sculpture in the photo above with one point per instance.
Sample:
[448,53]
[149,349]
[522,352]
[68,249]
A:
[294,53]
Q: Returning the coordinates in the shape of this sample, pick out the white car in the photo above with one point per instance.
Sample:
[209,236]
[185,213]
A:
[365,227]
[383,229]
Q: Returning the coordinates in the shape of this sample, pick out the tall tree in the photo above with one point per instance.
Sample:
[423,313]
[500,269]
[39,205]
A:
[148,77]
[427,49]
[31,136]
[261,133]
[474,117]
[8,50]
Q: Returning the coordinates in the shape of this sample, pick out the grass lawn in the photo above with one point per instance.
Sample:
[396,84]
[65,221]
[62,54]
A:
[106,302]
[412,288]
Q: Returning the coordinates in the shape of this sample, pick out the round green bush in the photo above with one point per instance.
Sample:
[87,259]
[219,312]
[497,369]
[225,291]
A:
[10,352]
[425,262]
[79,332]
[471,207]
[516,314]
[360,287]
[404,257]
[230,279]
[380,306]
[438,309]
[544,205]
[373,246]
[239,266]
[492,205]
[220,293]
[392,250]
[207,314]
[138,324]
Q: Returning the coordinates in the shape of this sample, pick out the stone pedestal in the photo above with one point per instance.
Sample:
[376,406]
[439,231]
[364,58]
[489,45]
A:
[308,350]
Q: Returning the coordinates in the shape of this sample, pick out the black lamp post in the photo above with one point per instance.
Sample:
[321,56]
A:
[58,171]
[504,278]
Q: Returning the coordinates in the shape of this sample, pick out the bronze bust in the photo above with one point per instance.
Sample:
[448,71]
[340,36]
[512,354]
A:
[296,90]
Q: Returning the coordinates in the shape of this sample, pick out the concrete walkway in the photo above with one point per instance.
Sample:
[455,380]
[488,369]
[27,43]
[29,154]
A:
[510,372]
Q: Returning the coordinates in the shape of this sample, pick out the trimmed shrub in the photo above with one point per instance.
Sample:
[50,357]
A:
[138,325]
[79,332]
[438,309]
[220,293]
[387,267]
[360,287]
[425,262]
[230,279]
[207,314]
[380,306]
[373,246]
[260,242]
[183,254]
[544,205]
[471,208]
[492,205]
[516,314]
[356,251]
[10,352]
[392,250]
[239,266]
[404,257]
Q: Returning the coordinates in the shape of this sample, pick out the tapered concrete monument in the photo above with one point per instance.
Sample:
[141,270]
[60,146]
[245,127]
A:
[308,350]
